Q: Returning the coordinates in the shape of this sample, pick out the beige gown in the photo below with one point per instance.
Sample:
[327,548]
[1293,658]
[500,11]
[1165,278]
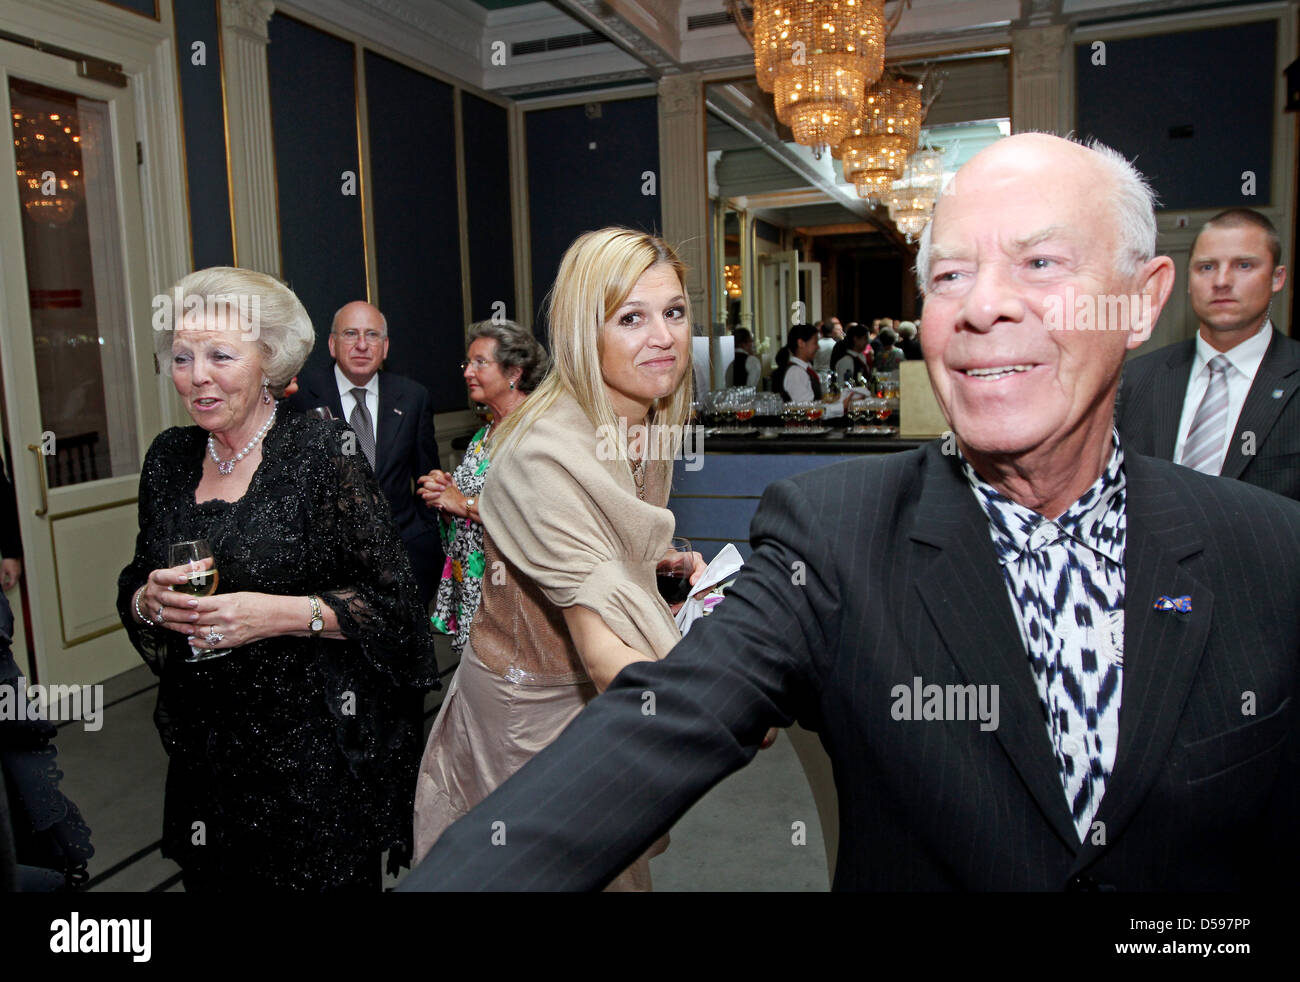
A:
[563,528]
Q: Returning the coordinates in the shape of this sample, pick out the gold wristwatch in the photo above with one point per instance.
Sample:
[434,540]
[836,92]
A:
[317,620]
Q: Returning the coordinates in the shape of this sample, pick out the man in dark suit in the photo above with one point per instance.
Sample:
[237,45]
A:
[393,420]
[1038,662]
[1224,402]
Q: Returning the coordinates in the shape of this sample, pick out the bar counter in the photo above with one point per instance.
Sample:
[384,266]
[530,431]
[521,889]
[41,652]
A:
[835,442]
[715,496]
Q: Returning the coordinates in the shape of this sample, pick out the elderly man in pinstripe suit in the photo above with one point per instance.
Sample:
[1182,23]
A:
[1138,623]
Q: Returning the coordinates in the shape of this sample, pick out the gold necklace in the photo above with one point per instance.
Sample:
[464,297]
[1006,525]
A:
[638,478]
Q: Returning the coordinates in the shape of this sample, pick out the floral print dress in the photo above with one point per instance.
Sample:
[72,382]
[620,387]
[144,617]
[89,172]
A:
[462,541]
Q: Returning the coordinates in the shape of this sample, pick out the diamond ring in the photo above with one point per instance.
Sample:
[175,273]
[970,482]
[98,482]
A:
[215,637]
[159,617]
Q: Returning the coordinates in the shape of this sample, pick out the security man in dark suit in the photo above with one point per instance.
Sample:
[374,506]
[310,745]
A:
[392,417]
[1224,402]
[1037,661]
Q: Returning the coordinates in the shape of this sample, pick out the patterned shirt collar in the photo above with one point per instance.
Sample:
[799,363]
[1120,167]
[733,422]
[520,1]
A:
[1016,528]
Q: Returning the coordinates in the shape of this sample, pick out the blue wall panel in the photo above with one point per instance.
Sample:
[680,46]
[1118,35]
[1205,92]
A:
[487,189]
[147,7]
[314,116]
[205,133]
[417,240]
[715,504]
[586,173]
[1194,108]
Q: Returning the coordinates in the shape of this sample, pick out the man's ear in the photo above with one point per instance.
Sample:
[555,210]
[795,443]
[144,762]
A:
[1279,279]
[331,346]
[1155,282]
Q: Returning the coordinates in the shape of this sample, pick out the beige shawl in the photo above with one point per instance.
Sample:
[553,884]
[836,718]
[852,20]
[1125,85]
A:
[573,524]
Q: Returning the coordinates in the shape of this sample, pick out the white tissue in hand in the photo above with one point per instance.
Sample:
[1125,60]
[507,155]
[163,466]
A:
[726,564]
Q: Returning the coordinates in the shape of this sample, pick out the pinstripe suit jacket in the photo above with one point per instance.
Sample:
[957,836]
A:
[1150,406]
[868,574]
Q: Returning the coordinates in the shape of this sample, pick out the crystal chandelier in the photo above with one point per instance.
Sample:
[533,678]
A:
[818,58]
[48,154]
[882,136]
[911,201]
[925,169]
[731,275]
[873,183]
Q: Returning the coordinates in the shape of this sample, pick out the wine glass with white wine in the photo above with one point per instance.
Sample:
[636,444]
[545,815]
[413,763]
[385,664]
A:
[201,583]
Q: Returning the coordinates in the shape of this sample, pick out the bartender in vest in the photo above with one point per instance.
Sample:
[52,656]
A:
[800,382]
[745,368]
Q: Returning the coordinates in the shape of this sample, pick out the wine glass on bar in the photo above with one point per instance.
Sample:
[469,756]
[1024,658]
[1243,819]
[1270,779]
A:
[201,582]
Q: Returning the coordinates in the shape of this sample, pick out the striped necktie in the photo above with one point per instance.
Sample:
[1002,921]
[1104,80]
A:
[1204,447]
[360,421]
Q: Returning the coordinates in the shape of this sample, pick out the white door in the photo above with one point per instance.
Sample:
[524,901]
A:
[75,355]
[810,289]
[780,303]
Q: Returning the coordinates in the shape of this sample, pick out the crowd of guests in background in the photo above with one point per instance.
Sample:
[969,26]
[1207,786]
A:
[812,352]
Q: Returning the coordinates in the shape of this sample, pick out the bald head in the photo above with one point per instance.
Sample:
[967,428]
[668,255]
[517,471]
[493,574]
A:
[1101,178]
[359,314]
[359,341]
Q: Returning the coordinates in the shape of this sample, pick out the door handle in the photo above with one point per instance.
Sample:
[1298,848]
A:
[42,511]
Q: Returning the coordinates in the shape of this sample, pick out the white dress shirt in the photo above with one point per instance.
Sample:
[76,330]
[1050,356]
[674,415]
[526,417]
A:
[1245,360]
[798,385]
[822,360]
[349,402]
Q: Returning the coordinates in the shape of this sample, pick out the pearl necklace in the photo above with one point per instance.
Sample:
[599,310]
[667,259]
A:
[227,467]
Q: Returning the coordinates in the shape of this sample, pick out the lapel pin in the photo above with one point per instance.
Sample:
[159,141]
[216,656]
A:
[398,411]
[1182,604]
[1277,393]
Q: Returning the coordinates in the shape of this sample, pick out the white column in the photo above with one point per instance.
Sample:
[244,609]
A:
[254,207]
[1038,67]
[683,184]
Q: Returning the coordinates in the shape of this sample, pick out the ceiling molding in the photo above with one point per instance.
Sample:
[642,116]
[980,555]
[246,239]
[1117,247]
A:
[452,28]
[446,45]
[733,108]
[598,16]
[578,82]
[817,231]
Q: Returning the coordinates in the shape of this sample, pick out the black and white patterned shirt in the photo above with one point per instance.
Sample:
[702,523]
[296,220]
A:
[1066,581]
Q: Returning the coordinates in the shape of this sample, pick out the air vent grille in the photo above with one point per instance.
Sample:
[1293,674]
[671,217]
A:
[720,19]
[557,43]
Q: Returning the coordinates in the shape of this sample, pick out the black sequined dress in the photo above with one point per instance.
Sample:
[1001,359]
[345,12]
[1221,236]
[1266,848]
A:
[293,759]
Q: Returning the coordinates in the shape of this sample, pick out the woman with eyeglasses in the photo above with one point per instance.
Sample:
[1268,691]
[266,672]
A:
[504,364]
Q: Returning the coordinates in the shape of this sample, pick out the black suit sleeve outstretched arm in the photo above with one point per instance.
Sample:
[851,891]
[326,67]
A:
[664,732]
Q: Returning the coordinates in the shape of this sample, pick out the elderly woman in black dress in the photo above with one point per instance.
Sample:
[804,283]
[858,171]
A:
[292,757]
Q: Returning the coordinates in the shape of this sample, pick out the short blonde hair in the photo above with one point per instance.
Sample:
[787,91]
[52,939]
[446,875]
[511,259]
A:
[597,274]
[280,325]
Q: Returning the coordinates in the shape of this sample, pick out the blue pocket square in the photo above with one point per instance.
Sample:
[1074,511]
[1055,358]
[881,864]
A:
[1182,604]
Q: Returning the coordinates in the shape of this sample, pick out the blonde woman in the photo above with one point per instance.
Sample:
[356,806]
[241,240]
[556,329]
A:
[574,511]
